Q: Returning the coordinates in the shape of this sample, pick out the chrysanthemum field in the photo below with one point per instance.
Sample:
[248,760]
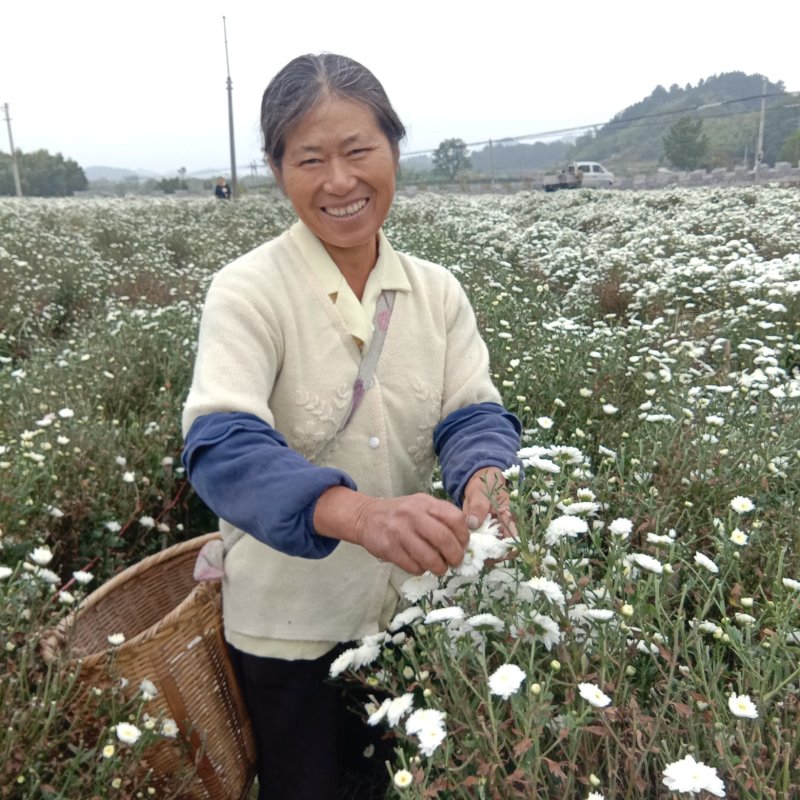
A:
[642,637]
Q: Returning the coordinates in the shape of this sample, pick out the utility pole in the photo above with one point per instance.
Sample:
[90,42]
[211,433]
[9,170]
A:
[491,162]
[234,188]
[14,165]
[760,143]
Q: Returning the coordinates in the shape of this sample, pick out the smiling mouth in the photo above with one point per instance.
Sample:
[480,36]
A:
[346,211]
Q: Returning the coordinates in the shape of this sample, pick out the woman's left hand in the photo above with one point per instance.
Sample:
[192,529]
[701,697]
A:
[485,494]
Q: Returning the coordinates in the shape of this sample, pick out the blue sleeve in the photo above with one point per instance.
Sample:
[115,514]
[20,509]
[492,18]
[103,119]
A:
[244,470]
[470,438]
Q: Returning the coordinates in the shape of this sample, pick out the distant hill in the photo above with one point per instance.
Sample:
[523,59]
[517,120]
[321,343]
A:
[729,105]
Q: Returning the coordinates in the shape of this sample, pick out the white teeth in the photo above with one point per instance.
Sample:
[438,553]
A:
[347,210]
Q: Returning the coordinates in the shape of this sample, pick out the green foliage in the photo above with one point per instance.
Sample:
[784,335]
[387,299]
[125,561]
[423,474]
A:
[451,158]
[42,175]
[790,150]
[171,185]
[685,145]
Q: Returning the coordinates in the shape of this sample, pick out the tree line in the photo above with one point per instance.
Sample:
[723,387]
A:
[41,174]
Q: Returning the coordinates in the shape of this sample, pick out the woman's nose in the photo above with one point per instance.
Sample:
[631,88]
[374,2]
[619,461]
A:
[340,178]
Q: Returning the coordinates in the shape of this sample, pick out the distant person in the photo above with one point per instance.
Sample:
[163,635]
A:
[222,190]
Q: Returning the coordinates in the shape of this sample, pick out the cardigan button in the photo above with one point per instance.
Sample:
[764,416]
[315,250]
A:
[374,442]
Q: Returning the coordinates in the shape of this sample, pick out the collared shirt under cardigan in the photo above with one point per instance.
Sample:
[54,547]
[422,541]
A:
[277,358]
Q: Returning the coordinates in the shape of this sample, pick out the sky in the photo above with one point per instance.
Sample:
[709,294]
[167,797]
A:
[143,86]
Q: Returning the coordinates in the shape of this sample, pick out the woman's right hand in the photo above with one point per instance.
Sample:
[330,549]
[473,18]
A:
[416,532]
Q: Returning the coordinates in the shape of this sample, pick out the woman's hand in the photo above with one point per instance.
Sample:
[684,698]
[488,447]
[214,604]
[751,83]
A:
[416,532]
[486,493]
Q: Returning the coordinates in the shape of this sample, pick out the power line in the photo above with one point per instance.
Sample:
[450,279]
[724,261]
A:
[618,121]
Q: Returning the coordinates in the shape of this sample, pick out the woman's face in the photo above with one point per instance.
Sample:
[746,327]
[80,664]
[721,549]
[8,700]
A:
[338,171]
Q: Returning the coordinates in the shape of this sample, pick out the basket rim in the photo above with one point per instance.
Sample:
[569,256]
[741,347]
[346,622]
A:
[54,644]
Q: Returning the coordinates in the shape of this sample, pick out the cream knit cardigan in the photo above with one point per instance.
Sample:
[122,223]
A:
[273,344]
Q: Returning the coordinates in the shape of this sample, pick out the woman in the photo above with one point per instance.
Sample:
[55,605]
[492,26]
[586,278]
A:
[331,372]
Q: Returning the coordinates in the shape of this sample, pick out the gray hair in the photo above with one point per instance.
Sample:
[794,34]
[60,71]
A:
[294,91]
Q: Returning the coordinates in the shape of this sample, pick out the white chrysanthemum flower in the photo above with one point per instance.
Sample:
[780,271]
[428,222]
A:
[564,526]
[148,689]
[127,733]
[447,614]
[379,713]
[367,651]
[688,775]
[545,423]
[342,662]
[620,527]
[113,526]
[599,614]
[399,707]
[595,796]
[565,454]
[543,464]
[479,621]
[609,409]
[169,728]
[5,572]
[742,505]
[485,543]
[706,626]
[738,537]
[659,538]
[129,477]
[705,562]
[791,583]
[116,639]
[419,586]
[579,508]
[47,576]
[406,617]
[82,577]
[41,555]
[424,718]
[66,413]
[546,630]
[147,522]
[646,562]
[744,619]
[550,589]
[430,739]
[506,680]
[66,598]
[403,779]
[593,695]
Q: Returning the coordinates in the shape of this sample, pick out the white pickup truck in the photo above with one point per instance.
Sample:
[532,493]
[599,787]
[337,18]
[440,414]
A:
[579,174]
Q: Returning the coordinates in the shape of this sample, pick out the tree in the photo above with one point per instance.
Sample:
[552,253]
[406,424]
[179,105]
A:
[685,144]
[42,175]
[790,150]
[451,158]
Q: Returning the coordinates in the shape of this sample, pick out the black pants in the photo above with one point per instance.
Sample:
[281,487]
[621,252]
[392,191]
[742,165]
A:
[310,734]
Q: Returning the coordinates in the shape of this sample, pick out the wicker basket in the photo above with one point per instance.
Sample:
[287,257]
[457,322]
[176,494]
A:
[173,637]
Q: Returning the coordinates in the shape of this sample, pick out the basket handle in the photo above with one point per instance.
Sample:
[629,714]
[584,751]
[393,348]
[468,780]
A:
[177,707]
